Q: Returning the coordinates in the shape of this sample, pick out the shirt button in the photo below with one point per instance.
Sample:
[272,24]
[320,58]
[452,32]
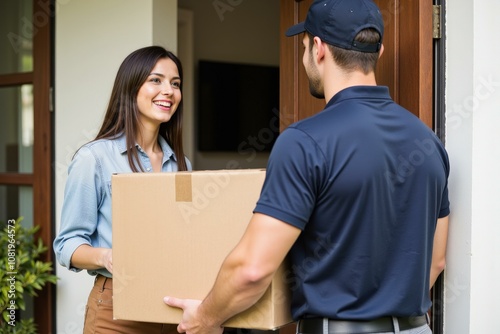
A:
[148,169]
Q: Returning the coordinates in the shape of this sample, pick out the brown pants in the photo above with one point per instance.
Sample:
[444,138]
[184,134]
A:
[99,314]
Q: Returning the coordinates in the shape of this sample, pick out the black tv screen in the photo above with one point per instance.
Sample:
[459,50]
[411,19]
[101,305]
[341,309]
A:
[237,107]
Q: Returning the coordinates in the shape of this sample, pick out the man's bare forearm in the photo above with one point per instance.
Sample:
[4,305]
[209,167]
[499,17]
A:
[238,286]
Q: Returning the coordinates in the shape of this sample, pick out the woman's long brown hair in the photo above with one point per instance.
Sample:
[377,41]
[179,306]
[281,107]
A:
[122,114]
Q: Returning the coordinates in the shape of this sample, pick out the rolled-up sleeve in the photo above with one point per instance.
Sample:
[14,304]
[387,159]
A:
[79,216]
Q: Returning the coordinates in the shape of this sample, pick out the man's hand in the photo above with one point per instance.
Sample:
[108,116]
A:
[191,324]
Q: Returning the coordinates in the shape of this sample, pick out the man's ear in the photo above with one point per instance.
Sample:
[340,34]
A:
[320,46]
[381,51]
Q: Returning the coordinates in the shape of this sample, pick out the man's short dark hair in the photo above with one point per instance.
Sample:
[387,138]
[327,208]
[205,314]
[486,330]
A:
[350,60]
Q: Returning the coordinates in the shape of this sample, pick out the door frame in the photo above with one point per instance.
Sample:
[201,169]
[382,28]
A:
[41,179]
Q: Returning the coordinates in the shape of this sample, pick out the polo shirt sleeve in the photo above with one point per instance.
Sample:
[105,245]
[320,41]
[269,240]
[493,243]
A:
[445,202]
[294,177]
[81,202]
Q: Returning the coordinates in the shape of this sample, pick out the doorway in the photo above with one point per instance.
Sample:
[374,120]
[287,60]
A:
[26,123]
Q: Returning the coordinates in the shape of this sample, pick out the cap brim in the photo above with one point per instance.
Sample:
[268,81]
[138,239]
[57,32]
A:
[295,30]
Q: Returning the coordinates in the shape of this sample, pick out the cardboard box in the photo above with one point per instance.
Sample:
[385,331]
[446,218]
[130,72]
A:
[171,233]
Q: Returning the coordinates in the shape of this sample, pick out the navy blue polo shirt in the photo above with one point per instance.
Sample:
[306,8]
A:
[365,180]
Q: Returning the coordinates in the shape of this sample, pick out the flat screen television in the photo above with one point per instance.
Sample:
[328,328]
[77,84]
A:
[237,106]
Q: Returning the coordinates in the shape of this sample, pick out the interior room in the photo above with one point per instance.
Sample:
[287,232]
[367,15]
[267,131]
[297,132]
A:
[229,37]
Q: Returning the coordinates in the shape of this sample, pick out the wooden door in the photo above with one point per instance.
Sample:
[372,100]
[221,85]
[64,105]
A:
[406,65]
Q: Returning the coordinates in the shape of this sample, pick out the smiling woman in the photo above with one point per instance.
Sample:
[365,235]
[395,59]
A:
[160,95]
[142,131]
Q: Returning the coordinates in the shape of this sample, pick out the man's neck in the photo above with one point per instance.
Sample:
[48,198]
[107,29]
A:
[337,80]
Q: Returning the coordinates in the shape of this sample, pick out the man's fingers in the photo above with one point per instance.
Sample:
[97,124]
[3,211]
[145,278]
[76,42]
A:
[174,302]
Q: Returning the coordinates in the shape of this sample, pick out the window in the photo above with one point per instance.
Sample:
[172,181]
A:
[26,128]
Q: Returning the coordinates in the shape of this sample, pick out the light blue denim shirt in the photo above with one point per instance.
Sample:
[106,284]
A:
[86,211]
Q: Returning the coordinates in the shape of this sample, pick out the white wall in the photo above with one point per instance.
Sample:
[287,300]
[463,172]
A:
[92,39]
[473,141]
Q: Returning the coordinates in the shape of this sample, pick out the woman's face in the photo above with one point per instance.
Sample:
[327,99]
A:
[160,95]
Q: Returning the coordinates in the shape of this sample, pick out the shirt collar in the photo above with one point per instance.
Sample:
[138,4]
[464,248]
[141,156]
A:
[356,92]
[121,142]
[167,150]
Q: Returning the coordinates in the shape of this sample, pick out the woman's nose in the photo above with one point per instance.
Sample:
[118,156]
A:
[167,89]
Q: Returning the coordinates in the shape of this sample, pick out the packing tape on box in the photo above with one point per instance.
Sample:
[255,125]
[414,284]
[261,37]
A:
[183,188]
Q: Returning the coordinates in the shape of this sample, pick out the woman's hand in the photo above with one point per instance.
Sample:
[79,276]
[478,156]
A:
[91,258]
[107,259]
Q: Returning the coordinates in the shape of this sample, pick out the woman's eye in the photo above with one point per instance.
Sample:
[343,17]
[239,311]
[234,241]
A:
[156,80]
[176,84]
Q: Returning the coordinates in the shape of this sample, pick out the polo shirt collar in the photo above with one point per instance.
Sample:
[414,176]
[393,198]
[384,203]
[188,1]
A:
[356,92]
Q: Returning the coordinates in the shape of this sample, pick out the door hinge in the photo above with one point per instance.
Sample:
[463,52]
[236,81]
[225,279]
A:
[436,21]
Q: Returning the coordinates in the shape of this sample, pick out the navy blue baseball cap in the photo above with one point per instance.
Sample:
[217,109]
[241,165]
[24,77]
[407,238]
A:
[337,22]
